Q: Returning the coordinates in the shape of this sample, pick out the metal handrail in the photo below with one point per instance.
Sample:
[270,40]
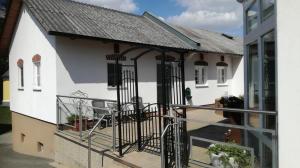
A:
[90,141]
[162,144]
[225,109]
[85,98]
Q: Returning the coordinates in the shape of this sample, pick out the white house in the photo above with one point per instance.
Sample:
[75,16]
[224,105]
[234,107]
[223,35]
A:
[57,47]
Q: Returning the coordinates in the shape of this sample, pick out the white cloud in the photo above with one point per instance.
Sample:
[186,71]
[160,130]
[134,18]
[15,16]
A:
[123,5]
[218,15]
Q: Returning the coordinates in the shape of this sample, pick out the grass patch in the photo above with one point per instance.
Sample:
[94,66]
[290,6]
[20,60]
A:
[5,115]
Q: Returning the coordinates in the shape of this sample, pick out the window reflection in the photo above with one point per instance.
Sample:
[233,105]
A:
[267,8]
[253,83]
[252,17]
[269,82]
[253,75]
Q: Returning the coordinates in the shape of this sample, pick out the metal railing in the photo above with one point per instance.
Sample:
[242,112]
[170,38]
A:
[162,156]
[223,132]
[90,140]
[79,114]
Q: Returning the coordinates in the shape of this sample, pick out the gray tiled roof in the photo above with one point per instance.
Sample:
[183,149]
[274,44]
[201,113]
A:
[65,16]
[213,41]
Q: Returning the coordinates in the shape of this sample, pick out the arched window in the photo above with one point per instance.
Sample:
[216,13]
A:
[20,64]
[201,72]
[222,71]
[36,60]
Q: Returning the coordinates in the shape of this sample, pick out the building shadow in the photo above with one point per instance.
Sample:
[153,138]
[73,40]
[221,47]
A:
[4,128]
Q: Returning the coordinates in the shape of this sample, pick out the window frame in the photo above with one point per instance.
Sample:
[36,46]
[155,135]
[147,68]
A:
[225,69]
[21,79]
[201,76]
[37,82]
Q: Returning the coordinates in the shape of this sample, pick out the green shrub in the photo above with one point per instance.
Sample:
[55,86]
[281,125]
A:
[72,118]
[241,156]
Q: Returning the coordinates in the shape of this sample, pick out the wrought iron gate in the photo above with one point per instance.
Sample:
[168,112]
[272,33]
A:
[140,125]
[174,85]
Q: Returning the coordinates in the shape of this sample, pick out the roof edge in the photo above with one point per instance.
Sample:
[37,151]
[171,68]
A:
[10,22]
[74,36]
[172,30]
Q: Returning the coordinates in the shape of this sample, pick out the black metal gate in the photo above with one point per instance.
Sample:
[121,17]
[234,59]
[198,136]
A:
[127,116]
[174,93]
[140,125]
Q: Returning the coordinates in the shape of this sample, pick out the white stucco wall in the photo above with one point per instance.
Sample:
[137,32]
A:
[237,84]
[208,94]
[29,40]
[288,81]
[82,65]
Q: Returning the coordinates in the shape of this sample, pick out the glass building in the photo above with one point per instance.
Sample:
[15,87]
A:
[260,76]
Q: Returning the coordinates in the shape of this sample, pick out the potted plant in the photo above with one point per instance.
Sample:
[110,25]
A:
[225,156]
[74,120]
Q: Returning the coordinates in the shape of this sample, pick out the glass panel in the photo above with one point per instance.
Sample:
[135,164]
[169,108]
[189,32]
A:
[253,83]
[252,15]
[269,71]
[222,75]
[253,77]
[267,8]
[203,75]
[200,75]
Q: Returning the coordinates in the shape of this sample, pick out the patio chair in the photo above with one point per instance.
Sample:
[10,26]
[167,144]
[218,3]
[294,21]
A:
[141,104]
[99,110]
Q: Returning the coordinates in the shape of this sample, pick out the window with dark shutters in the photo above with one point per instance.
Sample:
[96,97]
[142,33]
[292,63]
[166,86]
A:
[112,75]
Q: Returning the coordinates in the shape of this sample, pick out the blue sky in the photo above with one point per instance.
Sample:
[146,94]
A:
[215,15]
[183,12]
[163,8]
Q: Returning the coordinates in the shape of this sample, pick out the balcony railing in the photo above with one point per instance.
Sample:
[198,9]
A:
[236,137]
[76,117]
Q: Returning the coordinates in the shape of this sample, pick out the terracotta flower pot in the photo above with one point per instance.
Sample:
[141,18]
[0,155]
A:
[76,125]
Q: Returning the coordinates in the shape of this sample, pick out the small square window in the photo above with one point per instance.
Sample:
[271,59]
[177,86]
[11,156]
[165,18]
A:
[40,147]
[23,138]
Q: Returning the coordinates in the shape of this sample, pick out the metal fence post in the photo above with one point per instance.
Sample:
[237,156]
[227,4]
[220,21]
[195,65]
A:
[138,112]
[80,120]
[114,129]
[57,114]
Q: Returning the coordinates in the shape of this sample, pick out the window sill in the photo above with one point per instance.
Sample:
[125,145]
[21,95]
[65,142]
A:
[202,86]
[37,89]
[222,85]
